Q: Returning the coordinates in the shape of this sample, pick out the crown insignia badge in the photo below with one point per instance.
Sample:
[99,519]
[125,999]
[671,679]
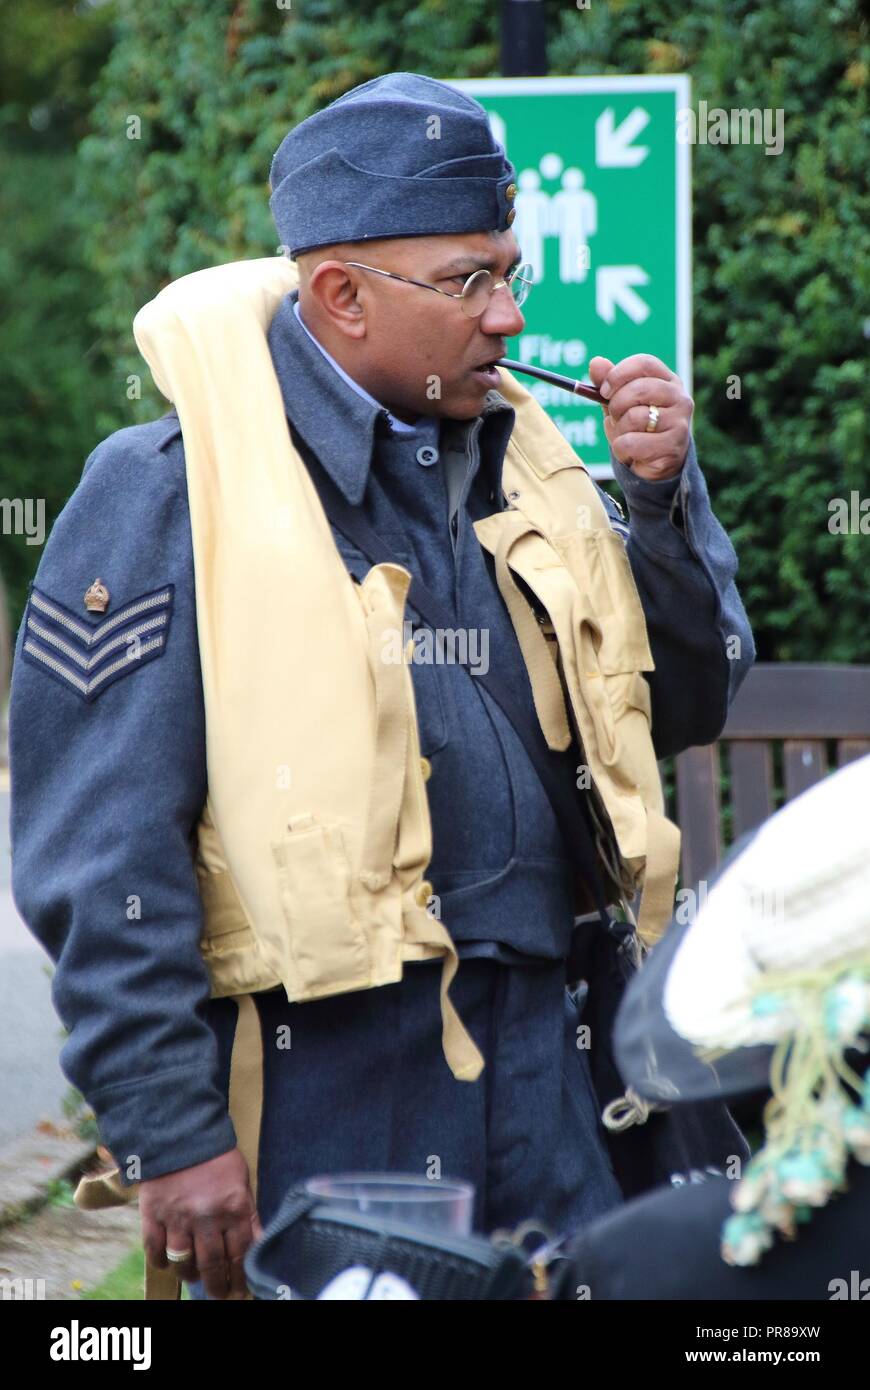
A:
[97,597]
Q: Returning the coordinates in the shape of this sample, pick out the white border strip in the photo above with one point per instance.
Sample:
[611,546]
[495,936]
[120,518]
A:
[622,82]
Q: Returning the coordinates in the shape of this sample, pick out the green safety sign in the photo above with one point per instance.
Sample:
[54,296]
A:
[603,217]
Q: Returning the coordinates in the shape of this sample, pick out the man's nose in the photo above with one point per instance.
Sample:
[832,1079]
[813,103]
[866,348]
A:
[502,317]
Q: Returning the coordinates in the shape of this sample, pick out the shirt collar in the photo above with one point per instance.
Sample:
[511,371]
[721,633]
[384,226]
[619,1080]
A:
[338,419]
[397,426]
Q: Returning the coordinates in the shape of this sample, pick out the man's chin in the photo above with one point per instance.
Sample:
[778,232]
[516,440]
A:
[467,405]
[459,404]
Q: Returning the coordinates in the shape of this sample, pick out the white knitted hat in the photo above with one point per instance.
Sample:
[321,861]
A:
[796,900]
[780,953]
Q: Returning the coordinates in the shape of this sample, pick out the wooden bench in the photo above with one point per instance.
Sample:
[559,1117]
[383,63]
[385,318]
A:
[789,725]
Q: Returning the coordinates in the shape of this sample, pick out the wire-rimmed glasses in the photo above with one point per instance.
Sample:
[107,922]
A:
[475,293]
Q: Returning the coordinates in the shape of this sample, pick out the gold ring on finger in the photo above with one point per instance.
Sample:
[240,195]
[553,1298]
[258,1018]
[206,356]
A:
[653,418]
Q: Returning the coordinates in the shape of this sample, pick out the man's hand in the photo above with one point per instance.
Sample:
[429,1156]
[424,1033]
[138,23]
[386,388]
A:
[207,1209]
[634,384]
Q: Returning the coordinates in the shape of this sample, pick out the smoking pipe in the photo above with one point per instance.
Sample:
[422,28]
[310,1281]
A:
[577,388]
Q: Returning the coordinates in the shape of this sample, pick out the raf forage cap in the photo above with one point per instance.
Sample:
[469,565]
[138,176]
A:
[402,155]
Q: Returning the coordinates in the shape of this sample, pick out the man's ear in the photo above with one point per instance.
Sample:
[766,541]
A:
[332,296]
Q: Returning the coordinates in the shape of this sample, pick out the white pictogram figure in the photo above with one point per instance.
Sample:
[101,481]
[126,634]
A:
[551,165]
[574,219]
[532,220]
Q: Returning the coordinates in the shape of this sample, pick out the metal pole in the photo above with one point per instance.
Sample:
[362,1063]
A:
[523,38]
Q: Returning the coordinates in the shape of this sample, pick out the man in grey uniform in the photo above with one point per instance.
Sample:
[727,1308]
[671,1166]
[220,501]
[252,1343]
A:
[108,757]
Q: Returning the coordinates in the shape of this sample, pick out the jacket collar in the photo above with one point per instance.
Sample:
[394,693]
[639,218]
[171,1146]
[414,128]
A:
[338,424]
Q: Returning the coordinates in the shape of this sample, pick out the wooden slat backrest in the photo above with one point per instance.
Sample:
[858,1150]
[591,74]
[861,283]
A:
[791,700]
[751,785]
[803,707]
[848,749]
[697,787]
[804,762]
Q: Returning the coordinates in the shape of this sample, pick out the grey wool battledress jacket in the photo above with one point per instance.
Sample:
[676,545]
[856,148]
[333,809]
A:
[108,750]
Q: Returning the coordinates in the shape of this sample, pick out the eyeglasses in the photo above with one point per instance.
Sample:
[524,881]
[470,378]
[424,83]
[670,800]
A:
[475,293]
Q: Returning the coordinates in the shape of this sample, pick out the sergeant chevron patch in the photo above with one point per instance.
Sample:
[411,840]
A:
[88,657]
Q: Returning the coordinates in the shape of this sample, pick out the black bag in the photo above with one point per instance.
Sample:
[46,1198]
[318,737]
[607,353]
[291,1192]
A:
[310,1241]
[691,1136]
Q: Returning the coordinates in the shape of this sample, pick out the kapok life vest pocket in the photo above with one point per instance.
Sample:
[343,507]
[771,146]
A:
[327,945]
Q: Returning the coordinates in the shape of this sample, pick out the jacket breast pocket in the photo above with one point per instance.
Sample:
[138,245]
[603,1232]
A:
[432,694]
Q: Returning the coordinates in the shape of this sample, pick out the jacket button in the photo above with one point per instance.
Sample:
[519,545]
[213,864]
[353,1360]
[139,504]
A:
[426,769]
[424,892]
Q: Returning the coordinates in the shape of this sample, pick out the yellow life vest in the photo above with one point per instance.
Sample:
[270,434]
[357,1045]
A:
[315,837]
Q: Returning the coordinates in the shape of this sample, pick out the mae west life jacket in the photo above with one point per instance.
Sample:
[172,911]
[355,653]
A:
[315,837]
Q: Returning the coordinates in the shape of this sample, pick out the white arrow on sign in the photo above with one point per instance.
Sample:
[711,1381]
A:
[613,147]
[613,291]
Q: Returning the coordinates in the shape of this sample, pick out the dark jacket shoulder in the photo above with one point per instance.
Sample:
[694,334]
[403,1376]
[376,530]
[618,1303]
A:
[131,446]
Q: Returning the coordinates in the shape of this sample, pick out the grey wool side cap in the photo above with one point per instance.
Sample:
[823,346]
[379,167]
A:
[401,155]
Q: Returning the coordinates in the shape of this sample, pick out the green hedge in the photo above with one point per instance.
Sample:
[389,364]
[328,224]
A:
[781,244]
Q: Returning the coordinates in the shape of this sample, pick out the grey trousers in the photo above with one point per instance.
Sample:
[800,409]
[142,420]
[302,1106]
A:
[364,1087]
